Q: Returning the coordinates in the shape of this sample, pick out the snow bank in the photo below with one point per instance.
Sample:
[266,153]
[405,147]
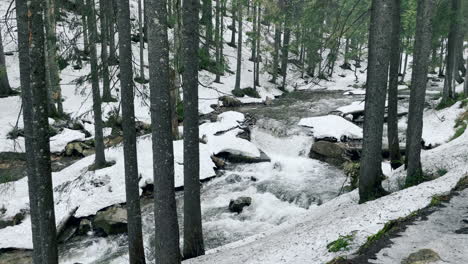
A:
[305,239]
[354,107]
[332,126]
[89,191]
[60,141]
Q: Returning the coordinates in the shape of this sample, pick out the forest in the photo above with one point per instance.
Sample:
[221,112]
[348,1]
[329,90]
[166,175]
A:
[233,131]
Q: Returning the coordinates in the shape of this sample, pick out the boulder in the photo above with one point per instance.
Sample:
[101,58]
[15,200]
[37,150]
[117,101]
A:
[236,158]
[237,205]
[229,101]
[233,178]
[422,256]
[111,221]
[329,152]
[84,227]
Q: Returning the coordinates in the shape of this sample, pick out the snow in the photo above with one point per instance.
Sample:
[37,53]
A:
[304,239]
[332,126]
[89,191]
[60,141]
[354,107]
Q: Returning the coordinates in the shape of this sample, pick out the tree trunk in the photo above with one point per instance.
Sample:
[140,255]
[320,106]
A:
[448,91]
[285,54]
[106,92]
[232,43]
[370,182]
[26,95]
[5,88]
[218,42]
[51,53]
[441,57]
[239,46]
[422,51]
[142,42]
[193,235]
[257,38]
[112,47]
[465,88]
[254,36]
[84,21]
[167,229]
[392,120]
[132,189]
[40,140]
[276,52]
[100,160]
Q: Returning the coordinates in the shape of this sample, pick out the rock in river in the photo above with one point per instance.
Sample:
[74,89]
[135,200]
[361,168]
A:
[238,204]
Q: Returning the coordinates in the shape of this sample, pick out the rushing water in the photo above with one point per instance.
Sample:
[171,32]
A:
[281,190]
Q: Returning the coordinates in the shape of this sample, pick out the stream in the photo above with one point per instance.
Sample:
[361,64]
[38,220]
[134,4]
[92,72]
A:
[281,190]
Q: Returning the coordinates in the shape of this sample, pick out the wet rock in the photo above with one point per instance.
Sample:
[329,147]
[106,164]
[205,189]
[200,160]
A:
[329,152]
[237,205]
[111,221]
[253,178]
[84,227]
[229,101]
[422,256]
[463,230]
[16,256]
[268,101]
[234,158]
[220,163]
[67,233]
[15,220]
[233,178]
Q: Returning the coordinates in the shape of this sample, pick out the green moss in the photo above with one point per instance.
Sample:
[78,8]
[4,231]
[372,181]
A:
[451,101]
[382,232]
[441,171]
[238,92]
[249,91]
[340,244]
[439,199]
[351,169]
[180,111]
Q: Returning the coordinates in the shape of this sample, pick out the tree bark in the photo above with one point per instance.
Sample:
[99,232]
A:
[465,88]
[167,229]
[132,189]
[370,183]
[449,88]
[112,47]
[257,39]
[26,95]
[218,42]
[51,53]
[422,50]
[392,120]
[40,140]
[142,42]
[239,46]
[100,160]
[276,52]
[5,88]
[232,43]
[106,92]
[193,235]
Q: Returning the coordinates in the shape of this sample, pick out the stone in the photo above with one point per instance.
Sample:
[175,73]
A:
[233,178]
[229,101]
[268,101]
[237,205]
[329,152]
[84,227]
[422,256]
[16,256]
[220,163]
[111,221]
[244,159]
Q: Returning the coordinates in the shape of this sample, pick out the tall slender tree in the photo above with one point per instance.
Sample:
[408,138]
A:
[193,235]
[33,77]
[232,43]
[370,186]
[132,190]
[165,214]
[142,41]
[422,51]
[392,120]
[26,95]
[100,159]
[218,41]
[53,71]
[276,52]
[449,88]
[239,48]
[106,91]
[5,88]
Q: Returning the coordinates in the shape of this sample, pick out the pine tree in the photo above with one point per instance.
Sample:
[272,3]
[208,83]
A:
[165,214]
[239,48]
[392,120]
[5,88]
[422,50]
[100,160]
[370,186]
[132,189]
[193,235]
